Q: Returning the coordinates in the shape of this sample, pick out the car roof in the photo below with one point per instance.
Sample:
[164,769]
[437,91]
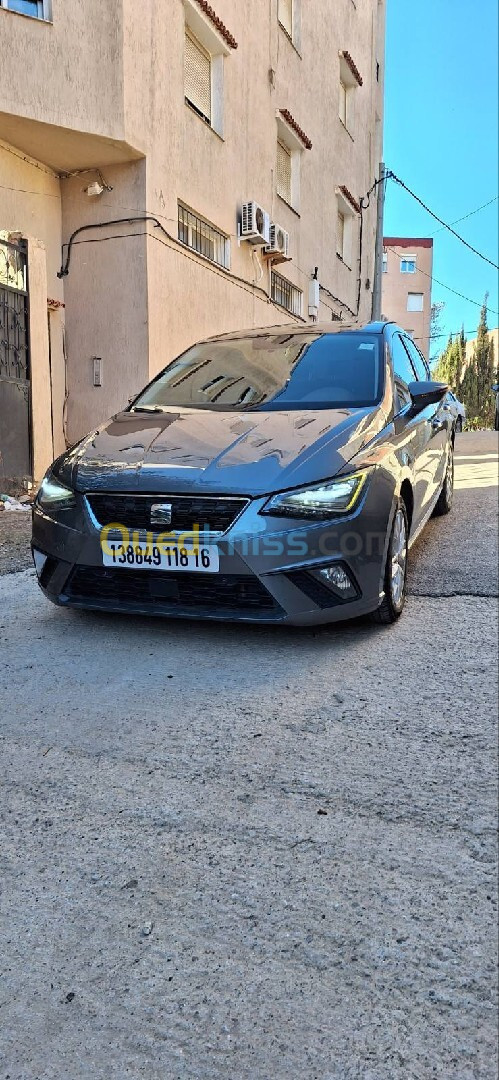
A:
[305,329]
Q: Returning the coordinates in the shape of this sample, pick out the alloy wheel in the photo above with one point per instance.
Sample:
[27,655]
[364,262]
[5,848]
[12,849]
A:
[398,557]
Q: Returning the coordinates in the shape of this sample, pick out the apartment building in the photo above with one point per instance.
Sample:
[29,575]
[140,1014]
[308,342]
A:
[171,170]
[406,286]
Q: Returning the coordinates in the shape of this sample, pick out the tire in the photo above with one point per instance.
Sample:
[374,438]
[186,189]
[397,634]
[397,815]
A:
[446,497]
[459,424]
[395,581]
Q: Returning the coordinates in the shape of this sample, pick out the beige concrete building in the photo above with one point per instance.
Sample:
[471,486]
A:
[195,166]
[406,286]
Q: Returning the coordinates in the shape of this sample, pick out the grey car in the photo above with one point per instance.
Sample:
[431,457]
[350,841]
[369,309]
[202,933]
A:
[459,409]
[274,476]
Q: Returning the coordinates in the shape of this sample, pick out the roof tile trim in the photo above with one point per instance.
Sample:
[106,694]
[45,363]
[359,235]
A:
[349,197]
[353,67]
[286,115]
[408,241]
[220,26]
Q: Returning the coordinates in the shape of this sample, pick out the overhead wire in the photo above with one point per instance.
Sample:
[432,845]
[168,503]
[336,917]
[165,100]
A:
[393,176]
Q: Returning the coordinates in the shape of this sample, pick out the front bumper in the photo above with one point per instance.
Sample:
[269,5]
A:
[269,567]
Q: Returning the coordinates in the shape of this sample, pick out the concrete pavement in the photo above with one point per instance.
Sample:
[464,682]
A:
[240,853]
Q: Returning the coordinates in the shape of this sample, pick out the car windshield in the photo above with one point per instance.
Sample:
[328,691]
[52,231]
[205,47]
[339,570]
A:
[270,372]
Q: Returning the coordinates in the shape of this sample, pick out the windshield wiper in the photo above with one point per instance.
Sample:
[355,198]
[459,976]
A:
[147,408]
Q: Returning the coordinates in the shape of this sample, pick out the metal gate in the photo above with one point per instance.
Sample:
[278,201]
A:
[15,419]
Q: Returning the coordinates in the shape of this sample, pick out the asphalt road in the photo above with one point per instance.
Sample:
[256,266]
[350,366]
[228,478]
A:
[256,854]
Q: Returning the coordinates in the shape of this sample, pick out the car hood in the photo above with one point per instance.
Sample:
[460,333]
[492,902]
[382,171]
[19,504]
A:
[184,450]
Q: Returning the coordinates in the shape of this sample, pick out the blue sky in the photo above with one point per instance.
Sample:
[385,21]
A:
[441,138]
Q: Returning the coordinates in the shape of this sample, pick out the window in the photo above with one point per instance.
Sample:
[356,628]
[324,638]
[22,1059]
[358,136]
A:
[345,229]
[205,50]
[408,265]
[284,170]
[340,235]
[385,262]
[203,238]
[415,301]
[273,371]
[38,9]
[350,80]
[197,76]
[401,363]
[286,294]
[343,103]
[418,361]
[285,15]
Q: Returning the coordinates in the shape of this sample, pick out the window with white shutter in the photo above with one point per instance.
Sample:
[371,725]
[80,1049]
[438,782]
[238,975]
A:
[197,76]
[286,16]
[284,172]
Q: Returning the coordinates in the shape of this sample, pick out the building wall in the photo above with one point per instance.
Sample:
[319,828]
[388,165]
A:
[134,295]
[30,205]
[396,287]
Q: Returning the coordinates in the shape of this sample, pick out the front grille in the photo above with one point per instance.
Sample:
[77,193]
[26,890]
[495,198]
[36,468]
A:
[134,511]
[146,588]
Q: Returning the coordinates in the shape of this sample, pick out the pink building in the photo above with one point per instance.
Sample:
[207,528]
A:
[406,288]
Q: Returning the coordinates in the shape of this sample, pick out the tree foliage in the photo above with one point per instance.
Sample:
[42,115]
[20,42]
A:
[479,376]
[471,381]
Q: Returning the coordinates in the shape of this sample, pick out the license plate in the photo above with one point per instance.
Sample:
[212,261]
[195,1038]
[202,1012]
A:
[147,556]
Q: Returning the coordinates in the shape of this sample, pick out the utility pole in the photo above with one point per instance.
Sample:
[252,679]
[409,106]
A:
[378,258]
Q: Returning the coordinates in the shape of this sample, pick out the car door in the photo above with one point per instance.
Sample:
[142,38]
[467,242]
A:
[439,414]
[415,433]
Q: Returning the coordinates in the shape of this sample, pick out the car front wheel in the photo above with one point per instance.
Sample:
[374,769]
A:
[395,585]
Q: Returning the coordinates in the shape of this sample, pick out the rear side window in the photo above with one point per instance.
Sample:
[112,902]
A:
[417,360]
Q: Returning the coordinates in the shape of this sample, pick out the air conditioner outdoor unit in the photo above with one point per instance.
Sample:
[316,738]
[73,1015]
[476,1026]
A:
[255,224]
[279,241]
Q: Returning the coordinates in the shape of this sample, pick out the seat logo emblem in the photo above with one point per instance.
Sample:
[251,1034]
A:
[161,514]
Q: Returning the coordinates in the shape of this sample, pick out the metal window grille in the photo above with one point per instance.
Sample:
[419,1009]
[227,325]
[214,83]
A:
[197,67]
[203,238]
[286,294]
[340,234]
[286,16]
[283,172]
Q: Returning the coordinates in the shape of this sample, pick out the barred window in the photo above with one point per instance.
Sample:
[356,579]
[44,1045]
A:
[203,238]
[286,294]
[197,66]
[284,172]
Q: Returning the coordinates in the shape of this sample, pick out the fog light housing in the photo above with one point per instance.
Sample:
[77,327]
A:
[339,580]
[39,560]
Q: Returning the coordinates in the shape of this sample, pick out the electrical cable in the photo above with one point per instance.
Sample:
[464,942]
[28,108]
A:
[392,176]
[470,214]
[477,303]
[240,283]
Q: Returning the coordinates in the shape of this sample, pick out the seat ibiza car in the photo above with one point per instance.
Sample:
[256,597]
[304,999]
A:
[276,475]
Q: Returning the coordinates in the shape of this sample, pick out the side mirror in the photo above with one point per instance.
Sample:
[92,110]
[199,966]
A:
[426,393]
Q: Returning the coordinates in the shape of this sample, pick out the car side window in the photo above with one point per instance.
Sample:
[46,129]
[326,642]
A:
[403,373]
[402,366]
[418,362]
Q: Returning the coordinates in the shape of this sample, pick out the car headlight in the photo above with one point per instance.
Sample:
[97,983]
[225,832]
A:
[52,495]
[320,501]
